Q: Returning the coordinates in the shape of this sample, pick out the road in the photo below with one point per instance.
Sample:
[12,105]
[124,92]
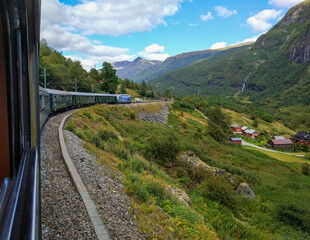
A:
[269,150]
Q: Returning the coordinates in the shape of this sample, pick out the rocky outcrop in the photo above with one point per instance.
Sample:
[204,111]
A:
[180,195]
[245,191]
[300,50]
[160,117]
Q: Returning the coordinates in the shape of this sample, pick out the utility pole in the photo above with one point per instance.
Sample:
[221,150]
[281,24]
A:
[75,84]
[44,77]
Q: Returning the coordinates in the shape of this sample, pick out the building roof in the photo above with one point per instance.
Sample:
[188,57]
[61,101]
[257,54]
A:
[244,128]
[236,139]
[308,138]
[301,135]
[234,125]
[281,141]
[278,137]
[250,131]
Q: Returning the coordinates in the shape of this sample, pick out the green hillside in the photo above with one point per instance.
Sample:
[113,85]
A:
[275,68]
[152,159]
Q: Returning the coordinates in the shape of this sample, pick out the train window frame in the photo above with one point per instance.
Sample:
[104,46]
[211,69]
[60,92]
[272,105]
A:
[4,118]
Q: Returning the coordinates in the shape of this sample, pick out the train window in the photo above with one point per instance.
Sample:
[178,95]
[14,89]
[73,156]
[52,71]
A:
[4,132]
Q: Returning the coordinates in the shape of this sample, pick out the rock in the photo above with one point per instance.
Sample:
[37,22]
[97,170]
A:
[180,195]
[160,117]
[245,191]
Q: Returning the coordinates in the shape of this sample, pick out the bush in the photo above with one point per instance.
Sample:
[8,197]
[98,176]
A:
[217,189]
[267,117]
[161,148]
[70,126]
[307,156]
[132,115]
[296,147]
[87,114]
[138,166]
[305,147]
[97,142]
[107,135]
[156,190]
[294,216]
[255,123]
[305,169]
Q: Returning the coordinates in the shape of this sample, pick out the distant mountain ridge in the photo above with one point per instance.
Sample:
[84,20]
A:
[127,69]
[144,70]
[274,71]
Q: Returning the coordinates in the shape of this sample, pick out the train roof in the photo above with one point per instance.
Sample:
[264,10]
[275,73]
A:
[57,92]
[82,94]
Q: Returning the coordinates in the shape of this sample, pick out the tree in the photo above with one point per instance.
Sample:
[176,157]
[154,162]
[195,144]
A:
[123,89]
[143,89]
[219,127]
[110,80]
[305,147]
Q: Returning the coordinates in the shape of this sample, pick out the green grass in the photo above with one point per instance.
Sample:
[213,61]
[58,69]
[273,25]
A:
[277,184]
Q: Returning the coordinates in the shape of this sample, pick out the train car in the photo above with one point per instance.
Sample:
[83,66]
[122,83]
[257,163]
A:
[124,98]
[44,105]
[60,99]
[106,98]
[82,99]
[19,121]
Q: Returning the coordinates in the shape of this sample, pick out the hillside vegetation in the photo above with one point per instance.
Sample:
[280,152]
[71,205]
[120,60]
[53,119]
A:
[274,71]
[152,159]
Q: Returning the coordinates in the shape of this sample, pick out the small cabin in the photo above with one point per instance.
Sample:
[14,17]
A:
[236,128]
[251,133]
[236,141]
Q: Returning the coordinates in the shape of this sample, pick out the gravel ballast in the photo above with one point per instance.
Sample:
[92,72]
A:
[108,194]
[63,214]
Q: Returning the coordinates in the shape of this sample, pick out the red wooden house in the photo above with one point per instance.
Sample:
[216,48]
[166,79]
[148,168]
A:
[251,133]
[236,128]
[236,141]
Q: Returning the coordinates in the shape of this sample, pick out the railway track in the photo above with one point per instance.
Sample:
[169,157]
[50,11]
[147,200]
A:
[64,214]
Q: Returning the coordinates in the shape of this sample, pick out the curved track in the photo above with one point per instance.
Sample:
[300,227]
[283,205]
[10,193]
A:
[63,212]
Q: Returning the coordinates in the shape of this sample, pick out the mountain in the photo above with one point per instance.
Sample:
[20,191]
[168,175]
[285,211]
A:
[127,69]
[144,70]
[274,71]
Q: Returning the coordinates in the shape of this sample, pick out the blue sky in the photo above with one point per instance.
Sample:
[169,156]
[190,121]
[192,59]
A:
[93,31]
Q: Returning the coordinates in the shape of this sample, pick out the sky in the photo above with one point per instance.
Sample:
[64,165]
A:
[94,31]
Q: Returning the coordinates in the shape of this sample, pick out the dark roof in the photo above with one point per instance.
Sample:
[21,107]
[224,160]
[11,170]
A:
[281,141]
[301,135]
[308,137]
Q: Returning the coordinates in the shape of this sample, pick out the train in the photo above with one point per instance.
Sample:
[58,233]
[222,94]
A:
[24,107]
[51,100]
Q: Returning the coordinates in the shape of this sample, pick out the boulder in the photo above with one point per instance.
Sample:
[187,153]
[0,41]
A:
[245,191]
[180,195]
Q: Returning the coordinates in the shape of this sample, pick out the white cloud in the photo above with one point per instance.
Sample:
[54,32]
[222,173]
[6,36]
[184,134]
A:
[65,27]
[154,52]
[193,24]
[224,12]
[284,3]
[206,17]
[260,22]
[108,17]
[218,45]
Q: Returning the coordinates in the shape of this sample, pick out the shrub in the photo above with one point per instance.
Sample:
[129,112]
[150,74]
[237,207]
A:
[255,123]
[107,135]
[87,114]
[138,166]
[296,147]
[305,147]
[217,189]
[70,126]
[161,148]
[156,190]
[142,194]
[307,156]
[267,117]
[305,169]
[294,216]
[97,142]
[132,115]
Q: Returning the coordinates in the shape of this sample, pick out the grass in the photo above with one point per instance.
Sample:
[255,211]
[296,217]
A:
[280,156]
[275,183]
